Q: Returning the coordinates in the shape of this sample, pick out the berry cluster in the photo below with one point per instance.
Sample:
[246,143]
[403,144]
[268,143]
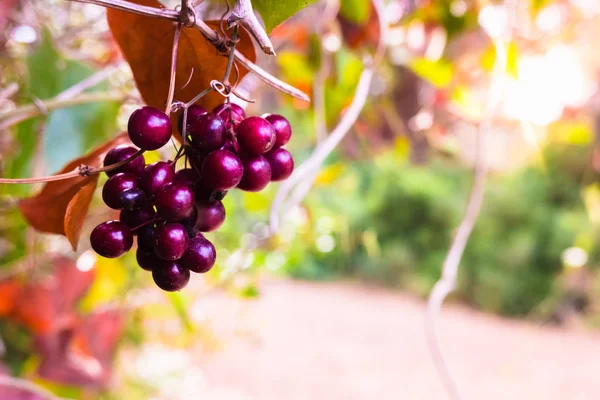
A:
[169,210]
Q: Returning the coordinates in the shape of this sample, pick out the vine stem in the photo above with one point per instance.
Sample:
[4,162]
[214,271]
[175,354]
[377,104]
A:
[307,170]
[231,57]
[447,282]
[82,170]
[210,34]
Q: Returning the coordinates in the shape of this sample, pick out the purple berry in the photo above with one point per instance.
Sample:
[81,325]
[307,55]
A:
[171,276]
[145,238]
[206,194]
[189,223]
[200,255]
[147,260]
[282,164]
[111,239]
[122,153]
[257,173]
[132,199]
[222,170]
[175,201]
[134,219]
[283,129]
[231,113]
[149,128]
[170,241]
[210,216]
[207,133]
[194,111]
[155,176]
[115,186]
[187,176]
[256,135]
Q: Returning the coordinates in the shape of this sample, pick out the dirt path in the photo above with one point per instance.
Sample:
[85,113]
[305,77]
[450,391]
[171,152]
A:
[301,341]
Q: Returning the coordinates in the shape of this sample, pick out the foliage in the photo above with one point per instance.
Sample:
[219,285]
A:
[392,224]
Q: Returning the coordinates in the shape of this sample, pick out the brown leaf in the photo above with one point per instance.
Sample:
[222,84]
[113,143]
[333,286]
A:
[77,210]
[147,45]
[61,206]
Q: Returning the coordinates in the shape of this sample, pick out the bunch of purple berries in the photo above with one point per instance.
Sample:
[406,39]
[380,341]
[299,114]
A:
[169,210]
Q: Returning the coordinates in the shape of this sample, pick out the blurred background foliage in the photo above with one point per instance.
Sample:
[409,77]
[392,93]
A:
[383,209]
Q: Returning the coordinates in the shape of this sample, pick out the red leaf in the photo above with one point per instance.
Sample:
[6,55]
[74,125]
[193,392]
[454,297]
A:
[61,206]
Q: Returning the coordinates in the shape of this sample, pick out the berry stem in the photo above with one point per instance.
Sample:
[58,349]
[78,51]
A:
[82,170]
[173,69]
[198,97]
[231,58]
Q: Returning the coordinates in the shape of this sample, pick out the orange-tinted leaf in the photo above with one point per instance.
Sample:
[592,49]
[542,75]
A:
[9,290]
[61,206]
[147,45]
[77,210]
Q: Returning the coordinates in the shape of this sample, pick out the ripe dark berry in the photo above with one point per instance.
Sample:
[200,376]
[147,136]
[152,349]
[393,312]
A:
[283,129]
[145,238]
[222,170]
[115,186]
[194,111]
[171,276]
[256,135]
[231,113]
[206,194]
[155,176]
[147,260]
[170,241]
[231,146]
[257,173]
[189,223]
[133,198]
[134,218]
[122,153]
[187,176]
[149,128]
[175,201]
[282,164]
[207,133]
[200,255]
[111,239]
[210,216]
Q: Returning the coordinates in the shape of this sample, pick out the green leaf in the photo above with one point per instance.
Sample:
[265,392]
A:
[355,11]
[274,12]
[69,132]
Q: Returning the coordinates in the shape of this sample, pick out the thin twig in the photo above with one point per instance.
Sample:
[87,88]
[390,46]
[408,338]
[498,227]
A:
[173,69]
[22,113]
[447,282]
[82,170]
[210,34]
